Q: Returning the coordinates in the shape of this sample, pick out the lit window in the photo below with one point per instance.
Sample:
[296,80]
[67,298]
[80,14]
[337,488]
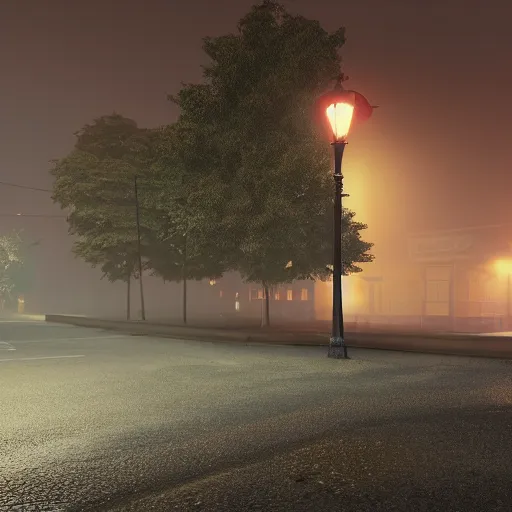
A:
[289,294]
[253,294]
[277,296]
[260,294]
[304,294]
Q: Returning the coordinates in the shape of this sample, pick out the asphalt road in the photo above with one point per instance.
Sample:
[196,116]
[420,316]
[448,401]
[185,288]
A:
[91,420]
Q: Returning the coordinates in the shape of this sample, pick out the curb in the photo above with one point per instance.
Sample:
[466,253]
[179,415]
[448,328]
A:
[449,344]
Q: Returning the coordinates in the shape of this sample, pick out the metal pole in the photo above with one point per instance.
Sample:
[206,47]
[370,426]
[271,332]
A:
[337,347]
[137,214]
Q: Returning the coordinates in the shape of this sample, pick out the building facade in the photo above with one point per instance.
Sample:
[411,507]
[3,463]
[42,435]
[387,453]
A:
[233,298]
[458,280]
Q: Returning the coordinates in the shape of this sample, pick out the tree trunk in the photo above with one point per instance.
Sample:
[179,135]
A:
[128,292]
[139,253]
[142,305]
[184,278]
[265,314]
[184,301]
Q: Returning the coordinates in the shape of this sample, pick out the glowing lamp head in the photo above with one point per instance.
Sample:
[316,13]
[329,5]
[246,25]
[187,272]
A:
[340,108]
[340,118]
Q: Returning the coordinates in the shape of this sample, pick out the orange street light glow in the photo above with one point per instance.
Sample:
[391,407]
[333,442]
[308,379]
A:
[340,117]
[503,266]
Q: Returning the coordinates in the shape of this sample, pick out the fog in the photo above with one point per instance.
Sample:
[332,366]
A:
[434,157]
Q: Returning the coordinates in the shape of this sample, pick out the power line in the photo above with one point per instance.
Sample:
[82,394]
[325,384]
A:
[6,184]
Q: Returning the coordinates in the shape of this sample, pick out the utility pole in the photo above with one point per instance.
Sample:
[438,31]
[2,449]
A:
[137,216]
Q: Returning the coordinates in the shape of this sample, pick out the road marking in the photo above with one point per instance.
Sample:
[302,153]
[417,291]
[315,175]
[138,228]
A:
[38,358]
[27,322]
[6,346]
[45,340]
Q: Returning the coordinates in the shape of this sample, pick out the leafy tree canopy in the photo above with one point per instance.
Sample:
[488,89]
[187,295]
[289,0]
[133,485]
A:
[185,216]
[249,127]
[96,183]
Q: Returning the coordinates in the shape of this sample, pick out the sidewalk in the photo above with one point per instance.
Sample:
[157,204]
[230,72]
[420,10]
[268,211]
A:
[231,333]
[434,343]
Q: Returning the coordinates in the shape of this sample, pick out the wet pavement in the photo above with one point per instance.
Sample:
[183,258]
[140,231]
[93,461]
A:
[454,461]
[92,420]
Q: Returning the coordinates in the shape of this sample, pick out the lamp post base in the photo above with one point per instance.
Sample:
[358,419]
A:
[337,349]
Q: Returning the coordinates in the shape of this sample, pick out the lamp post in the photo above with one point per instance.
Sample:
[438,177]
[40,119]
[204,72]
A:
[341,107]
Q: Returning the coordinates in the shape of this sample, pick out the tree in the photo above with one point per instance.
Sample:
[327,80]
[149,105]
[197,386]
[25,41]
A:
[23,272]
[96,183]
[11,265]
[117,259]
[249,128]
[184,244]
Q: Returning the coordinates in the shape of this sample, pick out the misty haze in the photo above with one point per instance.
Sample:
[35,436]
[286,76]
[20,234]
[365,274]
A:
[255,255]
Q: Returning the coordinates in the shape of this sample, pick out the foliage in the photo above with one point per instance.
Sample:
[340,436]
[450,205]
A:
[241,182]
[183,244]
[182,223]
[23,272]
[96,183]
[12,266]
[249,128]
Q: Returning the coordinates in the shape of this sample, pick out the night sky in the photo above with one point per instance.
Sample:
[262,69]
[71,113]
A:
[435,155]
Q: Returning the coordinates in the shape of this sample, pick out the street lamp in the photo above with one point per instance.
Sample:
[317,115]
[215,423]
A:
[341,108]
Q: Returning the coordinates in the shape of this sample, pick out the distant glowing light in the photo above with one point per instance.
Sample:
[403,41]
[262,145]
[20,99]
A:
[340,117]
[213,282]
[503,266]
